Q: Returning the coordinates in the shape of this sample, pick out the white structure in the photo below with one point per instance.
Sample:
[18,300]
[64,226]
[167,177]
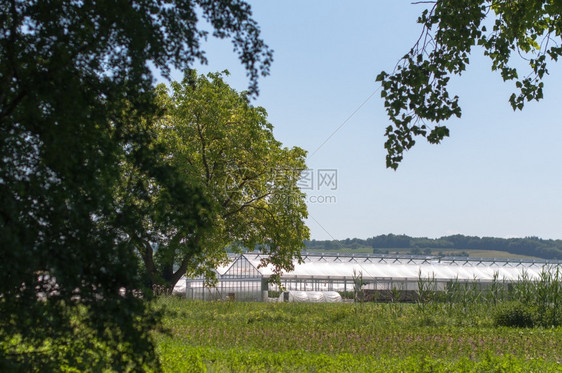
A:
[245,279]
[310,296]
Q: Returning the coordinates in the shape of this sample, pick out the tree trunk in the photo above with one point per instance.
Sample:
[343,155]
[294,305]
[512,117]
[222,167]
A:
[145,250]
[162,277]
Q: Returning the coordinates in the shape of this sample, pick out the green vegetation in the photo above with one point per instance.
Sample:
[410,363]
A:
[429,251]
[368,337]
[513,327]
[225,146]
[481,254]
[77,112]
[341,250]
[456,245]
[416,92]
[86,184]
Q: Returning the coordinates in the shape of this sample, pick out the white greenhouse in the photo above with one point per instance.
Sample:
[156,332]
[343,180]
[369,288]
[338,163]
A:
[243,279]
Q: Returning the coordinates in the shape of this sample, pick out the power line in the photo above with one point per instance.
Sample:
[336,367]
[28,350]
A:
[344,122]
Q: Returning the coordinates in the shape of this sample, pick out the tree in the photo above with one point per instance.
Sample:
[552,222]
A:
[416,92]
[77,106]
[226,147]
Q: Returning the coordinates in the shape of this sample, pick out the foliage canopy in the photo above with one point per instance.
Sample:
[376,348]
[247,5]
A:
[530,246]
[77,103]
[416,93]
[225,146]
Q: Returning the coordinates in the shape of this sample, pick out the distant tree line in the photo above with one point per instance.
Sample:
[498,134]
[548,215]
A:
[386,243]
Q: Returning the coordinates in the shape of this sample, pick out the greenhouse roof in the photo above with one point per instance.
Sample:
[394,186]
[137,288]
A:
[393,267]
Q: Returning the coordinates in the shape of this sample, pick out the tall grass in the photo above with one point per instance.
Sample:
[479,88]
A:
[540,298]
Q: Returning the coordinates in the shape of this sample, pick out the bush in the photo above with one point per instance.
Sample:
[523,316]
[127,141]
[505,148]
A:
[514,314]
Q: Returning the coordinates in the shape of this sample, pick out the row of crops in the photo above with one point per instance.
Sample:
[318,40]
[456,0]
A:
[462,330]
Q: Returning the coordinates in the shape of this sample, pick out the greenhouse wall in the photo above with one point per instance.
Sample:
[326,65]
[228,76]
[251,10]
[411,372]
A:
[245,279]
[226,290]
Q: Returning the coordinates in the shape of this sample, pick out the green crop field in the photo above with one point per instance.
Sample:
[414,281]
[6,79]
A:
[350,337]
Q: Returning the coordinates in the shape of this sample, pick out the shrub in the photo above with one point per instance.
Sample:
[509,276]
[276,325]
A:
[514,314]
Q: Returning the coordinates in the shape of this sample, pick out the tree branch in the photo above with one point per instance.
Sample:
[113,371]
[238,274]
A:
[244,205]
[203,150]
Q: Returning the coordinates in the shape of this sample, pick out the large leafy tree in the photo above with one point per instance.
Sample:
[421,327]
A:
[77,107]
[226,146]
[415,93]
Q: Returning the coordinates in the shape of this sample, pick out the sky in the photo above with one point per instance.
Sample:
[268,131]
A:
[498,174]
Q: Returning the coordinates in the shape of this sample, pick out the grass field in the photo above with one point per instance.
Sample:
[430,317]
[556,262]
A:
[348,337]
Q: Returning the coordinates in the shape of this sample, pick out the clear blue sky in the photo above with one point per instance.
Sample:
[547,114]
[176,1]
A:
[499,174]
